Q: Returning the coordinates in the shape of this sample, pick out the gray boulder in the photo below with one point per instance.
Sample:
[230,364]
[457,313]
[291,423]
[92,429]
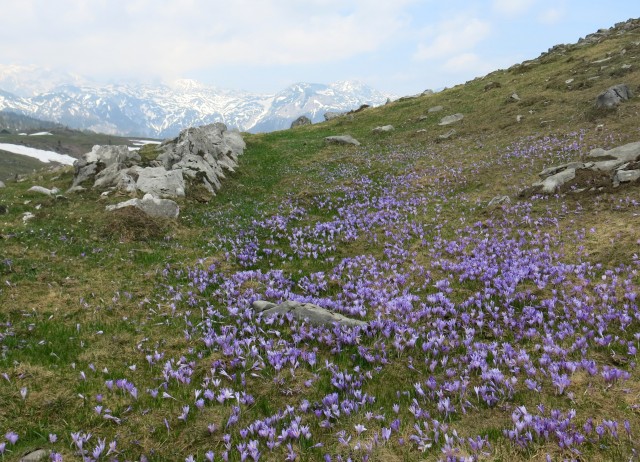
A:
[305,312]
[160,182]
[383,129]
[2,185]
[332,115]
[451,119]
[151,206]
[613,96]
[301,121]
[342,139]
[435,109]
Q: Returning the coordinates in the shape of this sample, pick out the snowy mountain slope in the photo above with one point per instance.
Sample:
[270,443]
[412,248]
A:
[163,110]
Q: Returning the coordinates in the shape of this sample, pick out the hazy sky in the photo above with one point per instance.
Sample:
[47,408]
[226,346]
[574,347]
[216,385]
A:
[399,46]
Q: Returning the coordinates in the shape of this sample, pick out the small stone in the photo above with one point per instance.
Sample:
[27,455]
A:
[499,200]
[568,81]
[449,134]
[435,109]
[514,98]
[36,456]
[45,191]
[519,118]
[451,119]
[2,185]
[26,216]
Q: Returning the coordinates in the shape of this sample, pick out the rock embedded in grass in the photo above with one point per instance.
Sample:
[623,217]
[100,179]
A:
[305,312]
[43,190]
[35,456]
[383,129]
[617,165]
[150,205]
[342,139]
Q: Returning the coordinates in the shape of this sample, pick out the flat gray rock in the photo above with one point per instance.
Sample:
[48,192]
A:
[342,139]
[305,312]
[332,115]
[551,184]
[451,119]
[625,153]
[449,134]
[435,109]
[499,200]
[383,129]
[45,191]
[625,176]
[151,206]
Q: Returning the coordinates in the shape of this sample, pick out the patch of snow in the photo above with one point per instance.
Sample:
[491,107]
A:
[40,134]
[41,155]
[143,142]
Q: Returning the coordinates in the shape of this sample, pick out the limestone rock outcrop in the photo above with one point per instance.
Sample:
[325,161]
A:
[199,156]
[601,168]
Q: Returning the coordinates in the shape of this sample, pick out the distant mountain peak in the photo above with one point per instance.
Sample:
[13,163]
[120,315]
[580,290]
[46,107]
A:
[162,110]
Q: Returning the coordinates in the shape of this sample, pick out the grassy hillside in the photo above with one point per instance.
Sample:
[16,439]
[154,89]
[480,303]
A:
[502,333]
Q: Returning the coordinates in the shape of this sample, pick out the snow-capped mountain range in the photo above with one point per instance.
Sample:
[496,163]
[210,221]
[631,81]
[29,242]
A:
[162,110]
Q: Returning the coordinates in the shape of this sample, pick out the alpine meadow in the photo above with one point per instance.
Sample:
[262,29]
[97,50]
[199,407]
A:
[478,309]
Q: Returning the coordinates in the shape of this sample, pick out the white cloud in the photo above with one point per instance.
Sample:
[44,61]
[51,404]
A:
[468,63]
[512,7]
[453,37]
[552,15]
[174,38]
